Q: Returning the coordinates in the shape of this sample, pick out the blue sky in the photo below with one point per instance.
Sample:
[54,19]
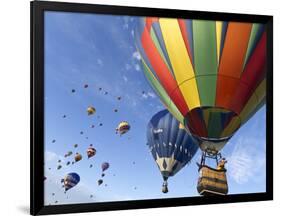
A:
[99,50]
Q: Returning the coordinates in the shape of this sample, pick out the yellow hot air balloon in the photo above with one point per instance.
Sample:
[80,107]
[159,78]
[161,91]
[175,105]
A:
[123,127]
[91,110]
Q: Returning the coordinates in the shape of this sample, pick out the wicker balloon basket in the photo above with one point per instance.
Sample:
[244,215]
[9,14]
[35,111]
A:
[212,181]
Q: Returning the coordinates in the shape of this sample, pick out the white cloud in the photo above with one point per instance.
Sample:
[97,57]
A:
[125,78]
[151,94]
[133,33]
[100,62]
[246,160]
[148,95]
[137,67]
[126,26]
[128,66]
[136,55]
[52,156]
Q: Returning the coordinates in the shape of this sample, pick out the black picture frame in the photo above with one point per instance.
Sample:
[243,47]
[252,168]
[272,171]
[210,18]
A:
[37,108]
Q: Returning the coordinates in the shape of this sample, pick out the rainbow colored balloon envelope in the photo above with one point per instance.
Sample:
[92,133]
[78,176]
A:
[211,75]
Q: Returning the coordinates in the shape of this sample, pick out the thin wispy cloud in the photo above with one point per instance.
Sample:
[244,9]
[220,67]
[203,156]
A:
[125,78]
[53,157]
[148,95]
[246,160]
[99,62]
[128,66]
[136,55]
[137,67]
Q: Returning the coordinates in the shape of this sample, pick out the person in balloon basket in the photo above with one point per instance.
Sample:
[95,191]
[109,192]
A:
[221,164]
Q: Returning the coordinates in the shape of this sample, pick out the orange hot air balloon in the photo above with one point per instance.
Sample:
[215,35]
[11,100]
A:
[78,157]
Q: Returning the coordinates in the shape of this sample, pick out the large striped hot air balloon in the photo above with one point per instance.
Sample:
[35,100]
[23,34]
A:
[211,75]
[171,146]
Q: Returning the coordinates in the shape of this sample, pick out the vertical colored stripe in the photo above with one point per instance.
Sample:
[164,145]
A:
[188,24]
[256,33]
[235,47]
[254,70]
[156,43]
[233,125]
[205,60]
[158,33]
[218,35]
[163,73]
[162,93]
[180,61]
[195,122]
[214,124]
[256,99]
[187,41]
[223,34]
[149,21]
[253,74]
[232,60]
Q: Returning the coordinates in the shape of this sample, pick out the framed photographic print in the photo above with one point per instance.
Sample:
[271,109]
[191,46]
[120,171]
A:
[141,108]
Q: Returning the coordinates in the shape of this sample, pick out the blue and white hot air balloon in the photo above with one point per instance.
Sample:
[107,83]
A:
[70,180]
[172,147]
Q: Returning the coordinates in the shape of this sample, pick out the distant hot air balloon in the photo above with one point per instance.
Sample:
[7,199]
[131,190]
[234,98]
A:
[69,153]
[123,127]
[104,166]
[59,167]
[91,152]
[91,110]
[211,75]
[86,86]
[70,180]
[100,181]
[171,146]
[78,157]
[75,145]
